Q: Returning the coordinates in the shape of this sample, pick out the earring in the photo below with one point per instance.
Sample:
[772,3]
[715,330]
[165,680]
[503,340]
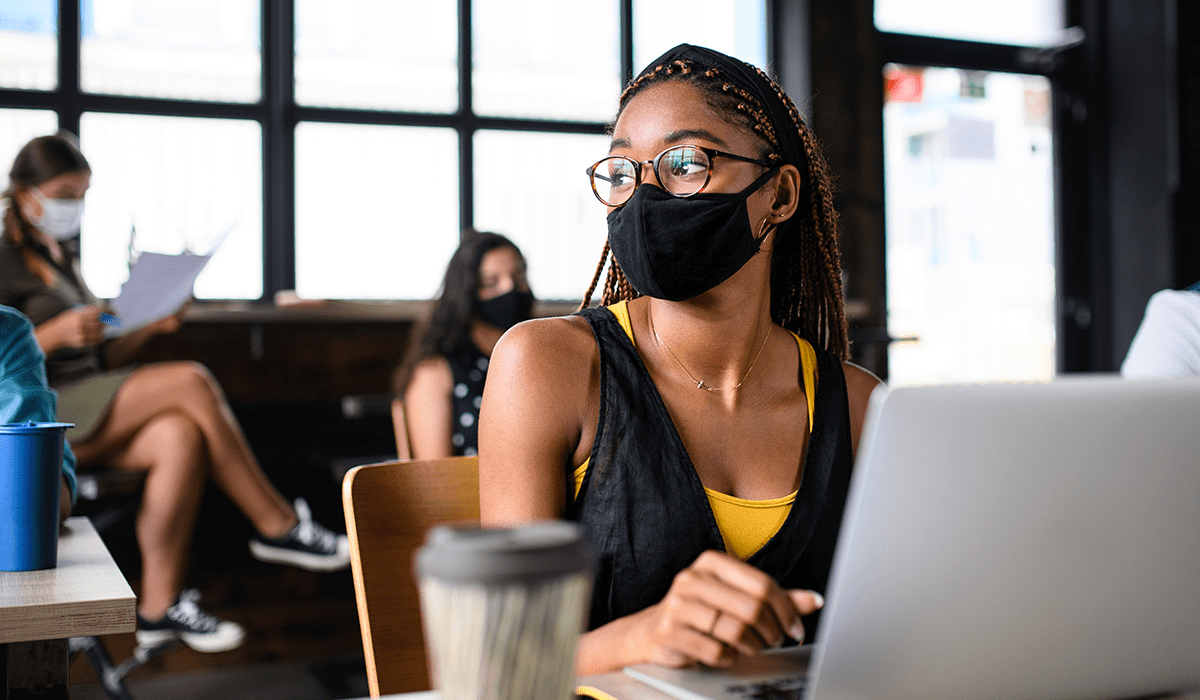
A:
[762,227]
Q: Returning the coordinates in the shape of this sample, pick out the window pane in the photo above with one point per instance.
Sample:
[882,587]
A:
[970,226]
[377,54]
[551,214]
[29,44]
[17,127]
[546,59]
[1020,22]
[376,210]
[735,27]
[172,48]
[181,182]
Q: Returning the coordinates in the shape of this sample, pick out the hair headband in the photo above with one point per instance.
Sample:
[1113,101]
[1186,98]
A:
[746,77]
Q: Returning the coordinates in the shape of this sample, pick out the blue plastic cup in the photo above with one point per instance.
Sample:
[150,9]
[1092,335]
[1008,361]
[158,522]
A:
[31,456]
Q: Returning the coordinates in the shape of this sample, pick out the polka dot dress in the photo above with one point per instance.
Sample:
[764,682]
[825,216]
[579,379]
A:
[469,369]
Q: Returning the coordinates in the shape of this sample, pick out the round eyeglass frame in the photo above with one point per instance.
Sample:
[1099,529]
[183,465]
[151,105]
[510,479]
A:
[712,153]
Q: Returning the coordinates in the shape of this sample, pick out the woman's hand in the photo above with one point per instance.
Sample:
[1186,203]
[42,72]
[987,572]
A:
[123,349]
[79,327]
[167,324]
[717,608]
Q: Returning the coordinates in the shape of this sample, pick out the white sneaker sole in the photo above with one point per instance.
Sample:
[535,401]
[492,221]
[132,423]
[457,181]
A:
[229,635]
[313,562]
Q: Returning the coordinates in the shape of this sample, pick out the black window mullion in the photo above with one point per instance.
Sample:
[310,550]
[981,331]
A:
[466,119]
[279,147]
[917,50]
[29,99]
[789,49]
[456,120]
[155,107]
[625,36]
[70,108]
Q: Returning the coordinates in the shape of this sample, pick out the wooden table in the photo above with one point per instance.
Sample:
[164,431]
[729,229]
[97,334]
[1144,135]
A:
[617,684]
[85,595]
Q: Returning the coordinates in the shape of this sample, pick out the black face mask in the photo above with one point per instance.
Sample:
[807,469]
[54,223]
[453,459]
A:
[676,248]
[506,310]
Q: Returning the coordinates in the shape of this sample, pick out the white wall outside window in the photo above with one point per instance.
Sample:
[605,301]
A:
[181,181]
[1018,22]
[376,210]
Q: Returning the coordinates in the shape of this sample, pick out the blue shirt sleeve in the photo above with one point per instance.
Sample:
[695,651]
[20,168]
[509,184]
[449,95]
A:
[24,394]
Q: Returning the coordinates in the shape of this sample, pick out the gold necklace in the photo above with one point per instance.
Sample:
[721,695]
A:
[700,382]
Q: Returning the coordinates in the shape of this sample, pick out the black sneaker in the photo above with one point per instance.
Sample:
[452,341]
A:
[185,621]
[308,545]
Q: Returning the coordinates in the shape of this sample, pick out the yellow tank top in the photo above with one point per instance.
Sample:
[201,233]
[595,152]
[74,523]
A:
[745,525]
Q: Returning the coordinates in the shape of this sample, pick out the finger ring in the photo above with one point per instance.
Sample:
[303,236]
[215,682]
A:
[713,626]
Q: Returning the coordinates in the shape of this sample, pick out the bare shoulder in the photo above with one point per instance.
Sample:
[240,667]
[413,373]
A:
[860,383]
[546,366]
[560,347]
[537,417]
[431,375]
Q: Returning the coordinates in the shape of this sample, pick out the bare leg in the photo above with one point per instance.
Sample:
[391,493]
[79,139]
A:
[187,389]
[171,450]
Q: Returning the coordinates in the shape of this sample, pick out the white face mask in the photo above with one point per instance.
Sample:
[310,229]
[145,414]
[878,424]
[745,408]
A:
[60,218]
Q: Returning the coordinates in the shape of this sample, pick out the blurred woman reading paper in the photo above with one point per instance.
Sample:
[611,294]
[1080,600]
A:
[168,419]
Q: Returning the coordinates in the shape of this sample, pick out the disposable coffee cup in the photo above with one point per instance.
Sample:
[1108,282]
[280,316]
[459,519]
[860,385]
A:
[31,456]
[503,609]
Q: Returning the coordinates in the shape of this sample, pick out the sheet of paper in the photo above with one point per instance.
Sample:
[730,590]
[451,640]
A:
[158,286]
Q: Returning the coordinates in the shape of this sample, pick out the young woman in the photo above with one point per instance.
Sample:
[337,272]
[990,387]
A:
[441,381]
[701,426]
[24,394]
[169,419]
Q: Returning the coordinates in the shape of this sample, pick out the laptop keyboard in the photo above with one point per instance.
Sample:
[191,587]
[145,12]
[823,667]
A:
[785,688]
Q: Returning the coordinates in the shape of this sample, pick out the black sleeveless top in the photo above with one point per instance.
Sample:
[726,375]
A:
[644,511]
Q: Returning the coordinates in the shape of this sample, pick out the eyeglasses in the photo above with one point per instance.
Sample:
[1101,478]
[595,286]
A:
[687,172]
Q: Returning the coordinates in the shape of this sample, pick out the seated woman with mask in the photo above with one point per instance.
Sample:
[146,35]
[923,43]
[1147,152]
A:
[701,425]
[441,381]
[167,419]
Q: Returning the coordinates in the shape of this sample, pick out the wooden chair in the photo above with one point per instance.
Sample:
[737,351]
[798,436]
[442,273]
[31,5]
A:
[400,425]
[389,507]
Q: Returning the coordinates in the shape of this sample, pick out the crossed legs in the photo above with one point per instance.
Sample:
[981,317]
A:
[171,420]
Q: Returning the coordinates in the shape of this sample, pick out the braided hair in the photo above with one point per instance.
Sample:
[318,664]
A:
[806,281]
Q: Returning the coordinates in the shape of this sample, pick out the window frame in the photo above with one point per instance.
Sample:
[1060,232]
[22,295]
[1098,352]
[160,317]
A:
[1074,311]
[278,114]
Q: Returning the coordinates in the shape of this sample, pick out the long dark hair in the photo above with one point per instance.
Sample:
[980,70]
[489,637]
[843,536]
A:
[806,285]
[449,324]
[42,159]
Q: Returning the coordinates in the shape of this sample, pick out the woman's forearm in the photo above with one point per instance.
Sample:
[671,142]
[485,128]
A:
[48,338]
[604,649]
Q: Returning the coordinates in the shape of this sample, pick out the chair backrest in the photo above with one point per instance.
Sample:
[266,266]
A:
[389,507]
[400,425]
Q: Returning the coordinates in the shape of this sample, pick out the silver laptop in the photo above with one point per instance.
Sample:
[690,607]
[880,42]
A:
[1008,542]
